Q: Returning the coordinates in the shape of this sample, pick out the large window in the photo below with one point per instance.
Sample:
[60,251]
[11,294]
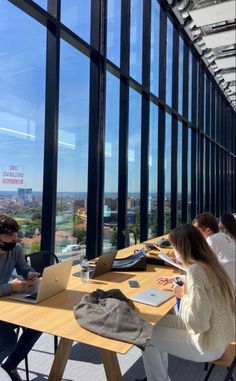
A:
[189,173]
[153,170]
[169,62]
[71,218]
[155,39]
[136,32]
[111,162]
[190,84]
[134,154]
[181,74]
[75,14]
[168,175]
[113,30]
[179,173]
[87,149]
[22,113]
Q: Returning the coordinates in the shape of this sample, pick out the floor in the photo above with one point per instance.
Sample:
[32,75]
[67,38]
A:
[85,364]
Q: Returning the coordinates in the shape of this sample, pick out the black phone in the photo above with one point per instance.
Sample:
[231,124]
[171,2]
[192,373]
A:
[133,283]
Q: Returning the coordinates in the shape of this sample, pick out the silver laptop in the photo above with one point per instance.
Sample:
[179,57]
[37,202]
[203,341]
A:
[102,266]
[54,279]
[152,296]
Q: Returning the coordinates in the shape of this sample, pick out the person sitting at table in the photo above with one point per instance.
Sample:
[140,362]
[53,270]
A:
[11,257]
[206,322]
[221,244]
[227,225]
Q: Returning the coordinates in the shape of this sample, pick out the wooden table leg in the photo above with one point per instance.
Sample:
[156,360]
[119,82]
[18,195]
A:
[60,360]
[111,365]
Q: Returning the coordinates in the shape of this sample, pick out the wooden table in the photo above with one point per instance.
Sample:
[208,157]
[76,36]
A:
[55,315]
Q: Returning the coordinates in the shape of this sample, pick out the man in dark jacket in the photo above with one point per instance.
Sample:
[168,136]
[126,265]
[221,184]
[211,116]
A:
[11,257]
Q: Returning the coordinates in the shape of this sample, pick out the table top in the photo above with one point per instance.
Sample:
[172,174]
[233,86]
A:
[55,315]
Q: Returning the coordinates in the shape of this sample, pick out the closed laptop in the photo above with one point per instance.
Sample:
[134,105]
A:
[152,296]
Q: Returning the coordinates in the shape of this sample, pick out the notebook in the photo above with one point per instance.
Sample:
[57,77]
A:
[54,279]
[103,265]
[152,296]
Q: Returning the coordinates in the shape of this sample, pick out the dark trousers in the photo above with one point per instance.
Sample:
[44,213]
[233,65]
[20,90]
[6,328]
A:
[11,348]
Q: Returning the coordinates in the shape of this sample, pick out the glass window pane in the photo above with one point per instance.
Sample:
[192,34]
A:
[75,14]
[167,222]
[136,34]
[22,114]
[42,3]
[111,161]
[189,172]
[169,60]
[204,104]
[179,173]
[181,68]
[155,32]
[71,215]
[113,30]
[190,84]
[134,163]
[153,165]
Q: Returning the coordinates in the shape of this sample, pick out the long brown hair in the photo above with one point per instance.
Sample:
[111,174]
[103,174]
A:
[193,248]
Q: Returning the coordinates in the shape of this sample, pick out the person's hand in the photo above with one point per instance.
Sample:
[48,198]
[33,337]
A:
[19,285]
[33,276]
[179,291]
[164,280]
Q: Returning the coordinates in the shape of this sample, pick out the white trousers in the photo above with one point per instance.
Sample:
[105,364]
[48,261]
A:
[170,336]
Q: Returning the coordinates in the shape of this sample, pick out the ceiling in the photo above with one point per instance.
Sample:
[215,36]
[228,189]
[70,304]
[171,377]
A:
[211,25]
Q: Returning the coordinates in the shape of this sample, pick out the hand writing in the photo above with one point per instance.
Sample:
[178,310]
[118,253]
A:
[164,280]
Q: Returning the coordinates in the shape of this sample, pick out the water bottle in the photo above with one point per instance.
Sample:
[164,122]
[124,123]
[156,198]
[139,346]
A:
[180,283]
[85,270]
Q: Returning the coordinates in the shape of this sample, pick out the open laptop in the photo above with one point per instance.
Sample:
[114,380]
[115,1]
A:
[54,279]
[152,296]
[102,266]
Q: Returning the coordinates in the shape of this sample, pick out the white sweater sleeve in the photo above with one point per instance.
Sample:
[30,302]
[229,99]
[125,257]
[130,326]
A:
[195,307]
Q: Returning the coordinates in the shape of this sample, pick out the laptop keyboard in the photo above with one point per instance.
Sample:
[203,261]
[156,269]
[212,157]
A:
[32,296]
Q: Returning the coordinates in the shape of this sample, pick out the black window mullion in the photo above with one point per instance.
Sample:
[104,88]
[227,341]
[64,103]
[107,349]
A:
[51,133]
[185,136]
[207,103]
[200,139]
[96,148]
[102,106]
[201,173]
[174,128]
[194,139]
[161,124]
[207,175]
[174,179]
[217,175]
[213,183]
[185,174]
[145,121]
[213,113]
[123,124]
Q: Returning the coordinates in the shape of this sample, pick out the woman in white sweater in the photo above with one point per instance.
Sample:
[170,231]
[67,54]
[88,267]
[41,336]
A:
[206,321]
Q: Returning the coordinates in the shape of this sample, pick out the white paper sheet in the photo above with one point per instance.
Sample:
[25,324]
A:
[166,258]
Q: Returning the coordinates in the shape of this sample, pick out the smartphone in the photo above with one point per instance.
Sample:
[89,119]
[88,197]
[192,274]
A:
[133,283]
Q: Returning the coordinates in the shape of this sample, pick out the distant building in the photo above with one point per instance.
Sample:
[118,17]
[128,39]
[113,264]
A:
[25,196]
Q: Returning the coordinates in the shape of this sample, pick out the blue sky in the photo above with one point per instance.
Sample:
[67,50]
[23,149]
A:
[22,99]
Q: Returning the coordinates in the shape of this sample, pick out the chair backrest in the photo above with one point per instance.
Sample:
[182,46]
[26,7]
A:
[41,259]
[228,356]
[126,233]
